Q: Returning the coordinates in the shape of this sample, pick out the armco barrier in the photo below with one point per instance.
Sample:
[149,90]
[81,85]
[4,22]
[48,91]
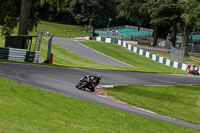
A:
[143,52]
[15,54]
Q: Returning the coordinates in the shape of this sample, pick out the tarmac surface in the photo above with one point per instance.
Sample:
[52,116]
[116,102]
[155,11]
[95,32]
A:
[63,80]
[87,52]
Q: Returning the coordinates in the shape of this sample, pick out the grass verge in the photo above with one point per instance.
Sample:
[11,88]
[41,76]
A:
[182,102]
[27,109]
[67,58]
[141,63]
[63,57]
[187,59]
[62,30]
[70,31]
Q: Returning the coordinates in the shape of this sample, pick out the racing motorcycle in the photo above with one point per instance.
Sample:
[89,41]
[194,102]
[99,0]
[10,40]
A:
[89,82]
[192,69]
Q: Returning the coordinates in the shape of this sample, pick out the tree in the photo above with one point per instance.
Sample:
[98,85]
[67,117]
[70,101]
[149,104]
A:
[164,12]
[10,16]
[9,12]
[126,10]
[141,12]
[151,7]
[132,10]
[49,12]
[24,19]
[28,10]
[190,16]
[94,12]
[23,12]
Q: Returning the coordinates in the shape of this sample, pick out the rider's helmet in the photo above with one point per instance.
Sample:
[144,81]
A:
[98,77]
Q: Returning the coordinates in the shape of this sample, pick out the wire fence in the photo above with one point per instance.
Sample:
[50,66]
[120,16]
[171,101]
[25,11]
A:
[177,55]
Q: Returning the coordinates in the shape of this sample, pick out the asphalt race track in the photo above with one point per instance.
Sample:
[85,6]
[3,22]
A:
[87,52]
[63,80]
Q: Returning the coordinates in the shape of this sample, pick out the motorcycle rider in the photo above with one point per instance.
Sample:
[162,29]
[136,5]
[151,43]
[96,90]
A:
[193,69]
[92,81]
[95,79]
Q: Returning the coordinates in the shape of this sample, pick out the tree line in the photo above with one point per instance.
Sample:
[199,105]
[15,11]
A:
[164,16]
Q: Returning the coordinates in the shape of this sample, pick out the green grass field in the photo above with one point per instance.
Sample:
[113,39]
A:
[61,30]
[187,59]
[182,102]
[141,63]
[63,57]
[66,58]
[28,109]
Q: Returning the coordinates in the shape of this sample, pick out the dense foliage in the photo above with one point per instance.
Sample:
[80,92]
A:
[164,16]
[10,13]
[8,17]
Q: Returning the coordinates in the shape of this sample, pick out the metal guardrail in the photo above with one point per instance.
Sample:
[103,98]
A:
[22,55]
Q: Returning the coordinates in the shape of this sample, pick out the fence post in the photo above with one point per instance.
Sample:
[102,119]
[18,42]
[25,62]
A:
[38,40]
[49,50]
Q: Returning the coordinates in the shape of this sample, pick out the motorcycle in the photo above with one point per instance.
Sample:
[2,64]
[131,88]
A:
[192,69]
[86,82]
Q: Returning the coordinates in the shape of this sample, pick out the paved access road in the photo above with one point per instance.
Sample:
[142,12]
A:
[87,52]
[63,80]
